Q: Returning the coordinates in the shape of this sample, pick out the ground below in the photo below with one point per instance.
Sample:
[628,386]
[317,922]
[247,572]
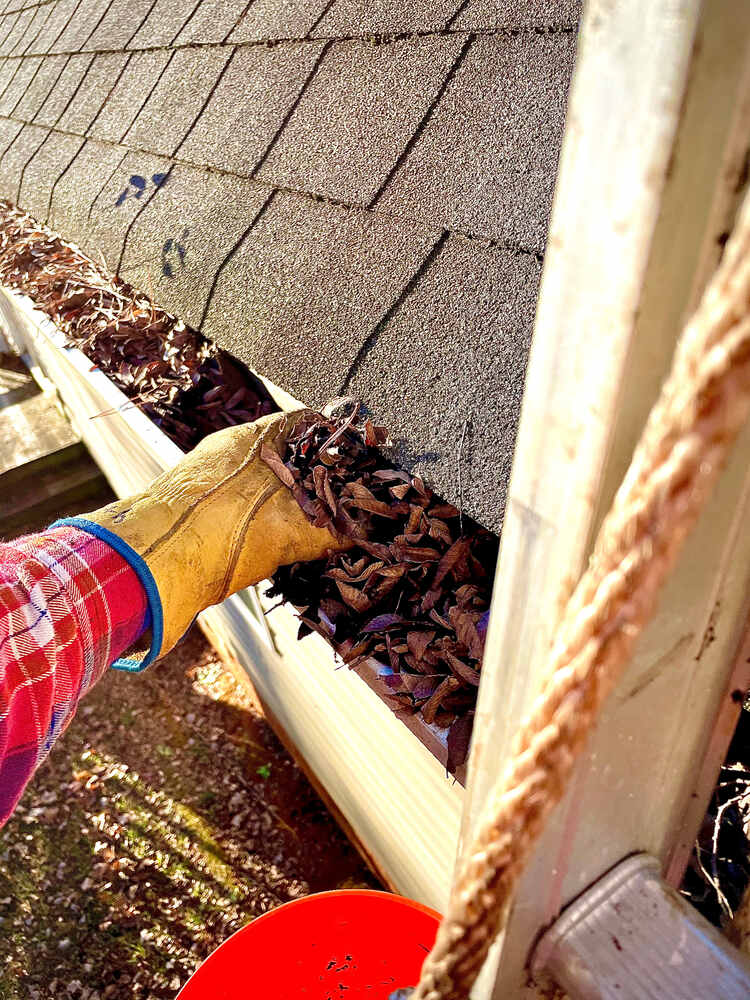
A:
[167,817]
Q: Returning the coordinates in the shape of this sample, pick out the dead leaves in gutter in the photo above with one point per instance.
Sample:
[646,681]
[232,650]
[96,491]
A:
[413,594]
[185,384]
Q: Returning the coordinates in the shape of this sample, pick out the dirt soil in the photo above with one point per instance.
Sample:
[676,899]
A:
[167,817]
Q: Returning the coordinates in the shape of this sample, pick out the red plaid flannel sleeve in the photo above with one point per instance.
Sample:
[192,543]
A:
[69,606]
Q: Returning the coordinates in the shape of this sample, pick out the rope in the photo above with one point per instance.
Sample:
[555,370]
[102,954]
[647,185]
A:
[700,411]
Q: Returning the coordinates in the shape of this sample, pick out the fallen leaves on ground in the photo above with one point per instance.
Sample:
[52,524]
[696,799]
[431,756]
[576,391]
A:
[167,817]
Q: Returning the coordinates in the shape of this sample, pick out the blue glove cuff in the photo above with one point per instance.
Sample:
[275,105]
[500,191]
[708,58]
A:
[131,664]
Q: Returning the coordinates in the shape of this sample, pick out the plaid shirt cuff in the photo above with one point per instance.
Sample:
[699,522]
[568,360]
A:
[69,606]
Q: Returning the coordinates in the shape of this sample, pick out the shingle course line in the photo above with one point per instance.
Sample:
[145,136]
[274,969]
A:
[32,6]
[489,242]
[369,37]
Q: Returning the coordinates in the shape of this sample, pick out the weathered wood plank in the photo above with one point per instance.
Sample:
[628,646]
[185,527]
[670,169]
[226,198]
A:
[30,429]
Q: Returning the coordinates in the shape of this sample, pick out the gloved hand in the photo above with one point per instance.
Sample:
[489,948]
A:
[219,521]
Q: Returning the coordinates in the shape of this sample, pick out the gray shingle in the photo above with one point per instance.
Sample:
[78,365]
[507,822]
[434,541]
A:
[177,99]
[75,192]
[269,19]
[164,23]
[203,213]
[249,104]
[110,221]
[212,21]
[496,15]
[81,26]
[361,17]
[357,116]
[91,95]
[16,33]
[486,161]
[306,287]
[62,11]
[6,26]
[15,158]
[121,20]
[43,171]
[37,92]
[126,98]
[8,132]
[18,84]
[64,90]
[33,29]
[8,69]
[456,350]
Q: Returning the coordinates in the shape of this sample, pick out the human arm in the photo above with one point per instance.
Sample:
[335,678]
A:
[218,521]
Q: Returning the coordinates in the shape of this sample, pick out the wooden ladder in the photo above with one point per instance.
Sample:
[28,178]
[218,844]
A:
[653,165]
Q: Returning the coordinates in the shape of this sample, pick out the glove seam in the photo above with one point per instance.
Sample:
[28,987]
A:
[146,578]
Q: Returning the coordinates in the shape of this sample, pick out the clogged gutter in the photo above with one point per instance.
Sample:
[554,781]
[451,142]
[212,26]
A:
[414,592]
[185,384]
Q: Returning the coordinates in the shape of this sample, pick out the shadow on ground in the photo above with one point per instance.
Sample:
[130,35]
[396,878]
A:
[166,818]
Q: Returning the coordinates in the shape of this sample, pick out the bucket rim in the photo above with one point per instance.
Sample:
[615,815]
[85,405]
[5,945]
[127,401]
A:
[393,897]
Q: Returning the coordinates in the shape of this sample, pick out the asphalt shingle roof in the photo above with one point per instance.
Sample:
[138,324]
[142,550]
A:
[351,196]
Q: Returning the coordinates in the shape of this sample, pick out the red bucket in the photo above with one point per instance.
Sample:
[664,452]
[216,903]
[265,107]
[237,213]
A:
[339,945]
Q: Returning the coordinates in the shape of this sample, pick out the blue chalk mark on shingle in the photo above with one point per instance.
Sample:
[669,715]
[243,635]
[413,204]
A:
[137,185]
[176,250]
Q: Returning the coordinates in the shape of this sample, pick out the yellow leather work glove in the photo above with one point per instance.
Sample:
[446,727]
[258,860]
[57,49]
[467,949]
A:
[219,521]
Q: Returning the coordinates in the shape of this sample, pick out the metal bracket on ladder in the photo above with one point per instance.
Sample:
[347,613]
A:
[632,937]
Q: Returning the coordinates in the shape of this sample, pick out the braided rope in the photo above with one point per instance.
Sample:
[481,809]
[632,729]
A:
[702,406]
